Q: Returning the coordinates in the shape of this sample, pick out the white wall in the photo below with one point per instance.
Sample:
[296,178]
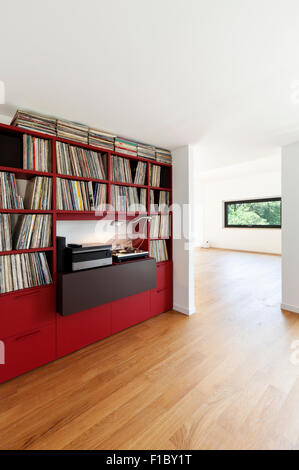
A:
[255,179]
[183,249]
[4,119]
[290,228]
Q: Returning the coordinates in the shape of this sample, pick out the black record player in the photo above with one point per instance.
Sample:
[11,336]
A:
[127,254]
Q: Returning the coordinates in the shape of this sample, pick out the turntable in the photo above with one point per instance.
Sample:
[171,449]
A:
[127,254]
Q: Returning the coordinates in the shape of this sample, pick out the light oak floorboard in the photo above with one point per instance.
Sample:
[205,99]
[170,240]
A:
[221,379]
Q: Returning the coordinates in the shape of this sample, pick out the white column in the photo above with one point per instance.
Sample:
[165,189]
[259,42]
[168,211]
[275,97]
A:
[183,247]
[290,227]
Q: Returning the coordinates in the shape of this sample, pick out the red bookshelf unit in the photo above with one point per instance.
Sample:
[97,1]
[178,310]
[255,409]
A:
[32,330]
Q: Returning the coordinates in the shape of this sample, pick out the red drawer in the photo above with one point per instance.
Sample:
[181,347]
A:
[129,311]
[160,301]
[27,310]
[28,351]
[80,329]
[164,275]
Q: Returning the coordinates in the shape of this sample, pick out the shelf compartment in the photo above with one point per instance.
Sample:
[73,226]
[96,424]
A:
[118,163]
[164,180]
[11,150]
[76,160]
[19,271]
[168,247]
[74,196]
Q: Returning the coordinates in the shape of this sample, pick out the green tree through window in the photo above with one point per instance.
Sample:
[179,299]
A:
[256,213]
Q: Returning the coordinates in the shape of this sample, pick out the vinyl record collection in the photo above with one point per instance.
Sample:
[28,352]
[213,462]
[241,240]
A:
[23,270]
[160,226]
[5,232]
[9,198]
[33,231]
[163,156]
[72,195]
[80,195]
[158,250]
[81,133]
[36,154]
[126,147]
[140,173]
[99,138]
[164,230]
[34,122]
[154,226]
[160,204]
[125,198]
[121,169]
[38,194]
[146,151]
[72,131]
[76,161]
[155,175]
[99,196]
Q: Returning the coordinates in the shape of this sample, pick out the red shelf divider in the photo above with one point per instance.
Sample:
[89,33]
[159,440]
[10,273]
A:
[29,250]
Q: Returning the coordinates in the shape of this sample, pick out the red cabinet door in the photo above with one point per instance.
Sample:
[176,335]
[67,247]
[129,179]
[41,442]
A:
[129,311]
[27,351]
[80,329]
[27,310]
[164,275]
[160,301]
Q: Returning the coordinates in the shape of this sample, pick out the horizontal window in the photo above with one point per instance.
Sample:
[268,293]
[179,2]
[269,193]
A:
[254,213]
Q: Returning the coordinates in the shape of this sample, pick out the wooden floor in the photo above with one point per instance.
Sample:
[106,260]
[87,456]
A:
[221,379]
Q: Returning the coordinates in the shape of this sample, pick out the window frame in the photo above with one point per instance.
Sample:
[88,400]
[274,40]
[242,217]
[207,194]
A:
[246,201]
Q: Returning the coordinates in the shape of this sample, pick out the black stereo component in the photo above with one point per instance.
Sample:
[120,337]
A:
[87,256]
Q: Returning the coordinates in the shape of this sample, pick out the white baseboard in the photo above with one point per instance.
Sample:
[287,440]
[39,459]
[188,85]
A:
[290,308]
[184,310]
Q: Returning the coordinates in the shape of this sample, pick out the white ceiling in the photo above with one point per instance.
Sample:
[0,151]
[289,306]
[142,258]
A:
[168,72]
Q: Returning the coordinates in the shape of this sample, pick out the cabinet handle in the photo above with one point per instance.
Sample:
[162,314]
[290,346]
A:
[27,335]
